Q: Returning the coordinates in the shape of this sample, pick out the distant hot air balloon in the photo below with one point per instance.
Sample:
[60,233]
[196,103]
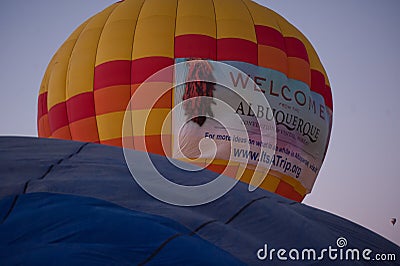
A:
[393,221]
[91,78]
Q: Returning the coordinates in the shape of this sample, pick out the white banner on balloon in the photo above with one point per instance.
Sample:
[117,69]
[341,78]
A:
[262,102]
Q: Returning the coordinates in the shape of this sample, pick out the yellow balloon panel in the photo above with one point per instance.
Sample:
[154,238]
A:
[156,25]
[234,20]
[118,32]
[196,17]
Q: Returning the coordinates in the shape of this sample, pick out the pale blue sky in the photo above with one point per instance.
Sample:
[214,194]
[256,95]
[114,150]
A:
[358,43]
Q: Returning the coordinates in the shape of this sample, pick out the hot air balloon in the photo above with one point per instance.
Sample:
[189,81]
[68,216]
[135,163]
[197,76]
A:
[76,203]
[393,221]
[90,80]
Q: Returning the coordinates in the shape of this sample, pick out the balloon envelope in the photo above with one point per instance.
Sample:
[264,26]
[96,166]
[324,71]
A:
[76,203]
[92,77]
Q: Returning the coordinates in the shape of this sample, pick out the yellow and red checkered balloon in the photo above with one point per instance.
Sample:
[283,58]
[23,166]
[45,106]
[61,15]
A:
[91,78]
